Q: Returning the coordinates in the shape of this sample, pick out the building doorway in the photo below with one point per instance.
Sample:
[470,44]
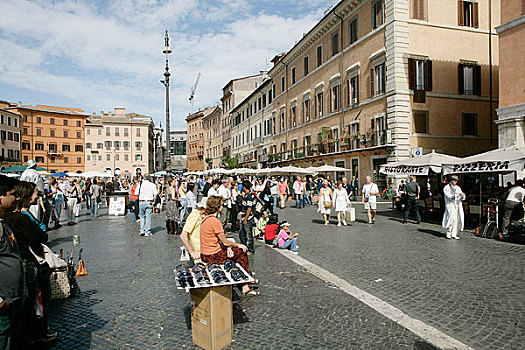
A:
[377,177]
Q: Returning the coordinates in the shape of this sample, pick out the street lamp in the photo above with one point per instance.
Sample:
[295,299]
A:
[166,83]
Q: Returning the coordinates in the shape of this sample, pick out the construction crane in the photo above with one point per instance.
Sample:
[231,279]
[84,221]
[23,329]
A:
[193,89]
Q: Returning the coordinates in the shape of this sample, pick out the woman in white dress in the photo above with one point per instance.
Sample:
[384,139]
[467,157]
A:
[340,202]
[325,201]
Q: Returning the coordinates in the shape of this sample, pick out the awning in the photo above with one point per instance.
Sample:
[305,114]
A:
[419,165]
[501,160]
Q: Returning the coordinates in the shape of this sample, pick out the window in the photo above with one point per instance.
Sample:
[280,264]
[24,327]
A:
[39,132]
[79,148]
[9,119]
[66,133]
[138,132]
[306,65]
[1,119]
[468,14]
[38,120]
[108,156]
[107,144]
[470,124]
[117,132]
[319,55]
[65,122]
[52,147]
[377,13]
[420,74]
[3,135]
[319,104]
[10,136]
[282,120]
[419,9]
[336,97]
[421,122]
[352,30]
[66,148]
[117,157]
[99,132]
[377,80]
[38,159]
[469,79]
[79,123]
[126,157]
[126,132]
[100,145]
[353,90]
[16,136]
[16,122]
[24,131]
[88,158]
[52,121]
[79,160]
[88,145]
[108,131]
[26,146]
[256,85]
[25,118]
[138,157]
[273,93]
[335,43]
[138,144]
[126,144]
[293,75]
[116,144]
[293,112]
[79,134]
[306,110]
[282,83]
[66,160]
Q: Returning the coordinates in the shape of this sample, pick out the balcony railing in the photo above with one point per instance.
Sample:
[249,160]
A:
[347,143]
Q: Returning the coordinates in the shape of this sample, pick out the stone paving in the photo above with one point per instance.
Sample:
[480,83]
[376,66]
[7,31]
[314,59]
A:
[129,299]
[471,289]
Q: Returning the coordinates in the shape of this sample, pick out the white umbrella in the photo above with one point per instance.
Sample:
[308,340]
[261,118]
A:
[94,174]
[326,169]
[500,160]
[289,170]
[74,174]
[418,165]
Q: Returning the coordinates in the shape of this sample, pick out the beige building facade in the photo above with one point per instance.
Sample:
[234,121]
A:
[382,80]
[511,112]
[213,143]
[197,139]
[118,142]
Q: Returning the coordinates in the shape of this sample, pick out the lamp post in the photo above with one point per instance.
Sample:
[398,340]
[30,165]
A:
[166,83]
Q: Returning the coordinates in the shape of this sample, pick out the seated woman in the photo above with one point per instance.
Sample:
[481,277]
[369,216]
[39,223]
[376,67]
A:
[258,230]
[271,229]
[216,248]
[287,239]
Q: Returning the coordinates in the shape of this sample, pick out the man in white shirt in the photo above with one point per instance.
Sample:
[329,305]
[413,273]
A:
[147,192]
[370,191]
[225,192]
[31,175]
[214,189]
[274,191]
[298,192]
[515,197]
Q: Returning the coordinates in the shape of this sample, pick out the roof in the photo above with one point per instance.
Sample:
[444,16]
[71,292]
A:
[236,79]
[6,111]
[200,113]
[128,118]
[252,94]
[53,109]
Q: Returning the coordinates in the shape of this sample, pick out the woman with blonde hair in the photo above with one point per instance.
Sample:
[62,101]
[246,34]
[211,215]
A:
[325,201]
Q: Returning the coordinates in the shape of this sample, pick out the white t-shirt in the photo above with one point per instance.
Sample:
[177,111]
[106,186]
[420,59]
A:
[225,193]
[369,188]
[516,194]
[213,192]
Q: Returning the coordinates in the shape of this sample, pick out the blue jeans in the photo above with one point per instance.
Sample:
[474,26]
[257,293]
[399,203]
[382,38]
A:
[134,209]
[94,207]
[146,211]
[10,325]
[246,235]
[290,244]
[183,210]
[299,201]
[274,204]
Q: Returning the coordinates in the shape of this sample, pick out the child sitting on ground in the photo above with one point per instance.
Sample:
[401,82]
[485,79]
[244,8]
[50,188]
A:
[271,229]
[287,239]
[258,230]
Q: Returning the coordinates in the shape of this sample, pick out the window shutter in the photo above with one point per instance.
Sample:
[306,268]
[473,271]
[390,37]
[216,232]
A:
[477,80]
[411,74]
[347,92]
[460,13]
[330,103]
[460,79]
[371,82]
[422,10]
[475,16]
[357,88]
[428,75]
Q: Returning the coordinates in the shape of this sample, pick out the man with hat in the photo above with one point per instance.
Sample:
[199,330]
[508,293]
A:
[191,232]
[453,220]
[31,175]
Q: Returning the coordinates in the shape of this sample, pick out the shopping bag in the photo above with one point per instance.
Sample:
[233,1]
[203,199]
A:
[350,214]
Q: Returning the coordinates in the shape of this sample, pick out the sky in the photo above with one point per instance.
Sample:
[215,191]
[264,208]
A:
[98,55]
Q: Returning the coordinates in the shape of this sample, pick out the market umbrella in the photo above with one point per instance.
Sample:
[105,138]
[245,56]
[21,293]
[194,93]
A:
[95,174]
[501,160]
[291,170]
[71,174]
[326,169]
[125,173]
[59,174]
[160,173]
[19,169]
[418,165]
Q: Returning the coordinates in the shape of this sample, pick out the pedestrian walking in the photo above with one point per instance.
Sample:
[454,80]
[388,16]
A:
[370,192]
[283,191]
[95,196]
[341,202]
[71,194]
[266,197]
[413,192]
[325,202]
[298,192]
[172,210]
[355,187]
[453,220]
[147,193]
[134,202]
[226,194]
[248,202]
[274,192]
[183,201]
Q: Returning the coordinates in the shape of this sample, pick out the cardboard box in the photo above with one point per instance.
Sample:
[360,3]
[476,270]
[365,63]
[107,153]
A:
[212,317]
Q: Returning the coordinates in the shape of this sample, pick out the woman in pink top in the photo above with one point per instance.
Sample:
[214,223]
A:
[283,191]
[287,239]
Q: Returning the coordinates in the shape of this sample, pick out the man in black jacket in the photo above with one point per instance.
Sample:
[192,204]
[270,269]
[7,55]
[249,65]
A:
[413,191]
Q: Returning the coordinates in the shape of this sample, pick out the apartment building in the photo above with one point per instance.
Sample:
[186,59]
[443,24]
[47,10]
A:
[213,144]
[178,139]
[251,129]
[9,138]
[52,136]
[118,142]
[197,139]
[511,112]
[376,81]
[232,93]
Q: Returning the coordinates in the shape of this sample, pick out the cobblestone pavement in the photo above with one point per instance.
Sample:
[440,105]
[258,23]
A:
[471,289]
[129,299]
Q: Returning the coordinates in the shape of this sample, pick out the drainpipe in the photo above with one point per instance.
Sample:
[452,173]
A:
[341,76]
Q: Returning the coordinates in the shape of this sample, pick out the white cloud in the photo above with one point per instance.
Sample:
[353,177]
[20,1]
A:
[111,55]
